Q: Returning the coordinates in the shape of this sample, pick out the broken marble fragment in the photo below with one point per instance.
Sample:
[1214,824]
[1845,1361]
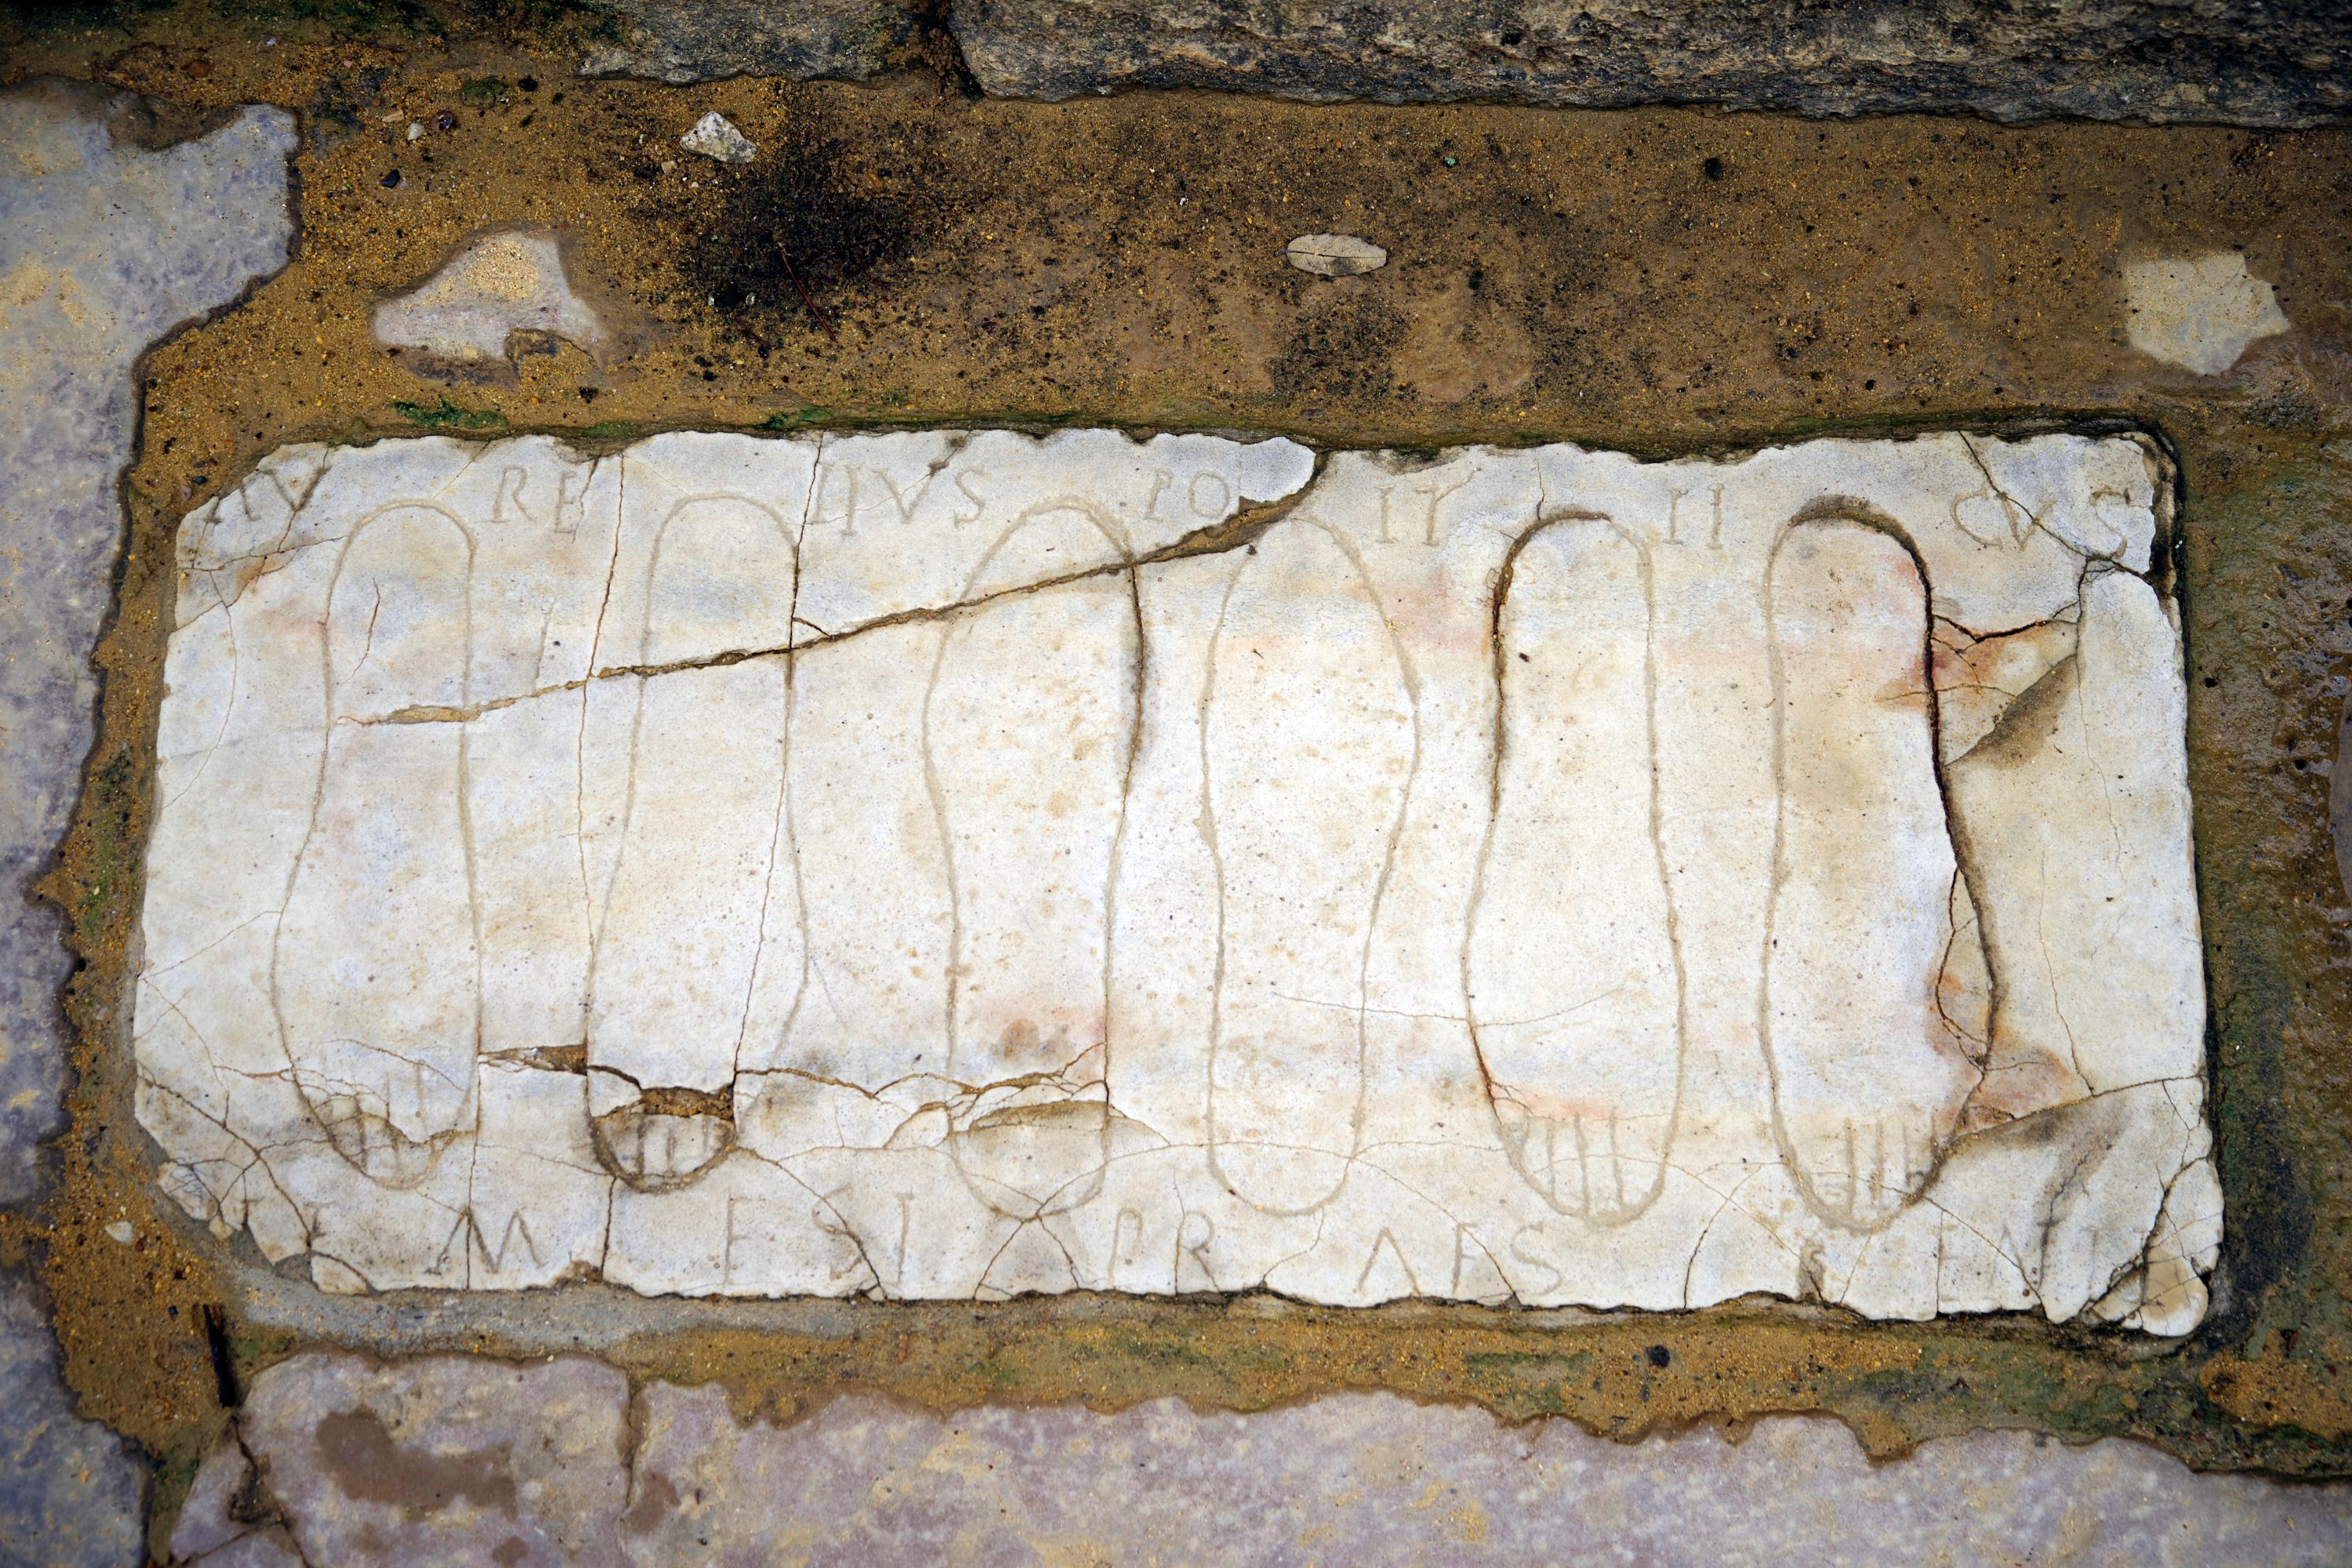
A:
[2199,312]
[1334,255]
[106,245]
[954,865]
[467,314]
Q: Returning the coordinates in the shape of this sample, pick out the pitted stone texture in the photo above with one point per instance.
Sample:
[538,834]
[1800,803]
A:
[445,1459]
[104,247]
[2236,62]
[951,865]
[702,41]
[1354,1478]
[69,1495]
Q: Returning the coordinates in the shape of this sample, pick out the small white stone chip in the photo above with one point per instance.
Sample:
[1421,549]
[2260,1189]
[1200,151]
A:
[715,136]
[501,284]
[120,1230]
[1334,255]
[2199,312]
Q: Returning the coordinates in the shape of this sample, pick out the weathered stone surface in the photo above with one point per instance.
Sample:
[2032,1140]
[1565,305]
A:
[68,1493]
[956,866]
[1373,1480]
[104,247]
[702,41]
[445,1459]
[2233,61]
[453,1461]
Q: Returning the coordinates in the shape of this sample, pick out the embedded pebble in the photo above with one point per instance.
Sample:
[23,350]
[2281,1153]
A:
[1334,255]
[715,136]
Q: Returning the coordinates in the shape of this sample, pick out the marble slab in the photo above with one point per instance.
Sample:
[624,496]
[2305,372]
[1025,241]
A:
[956,864]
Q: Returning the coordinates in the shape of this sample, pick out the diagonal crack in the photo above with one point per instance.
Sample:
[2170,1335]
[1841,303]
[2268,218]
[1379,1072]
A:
[1235,533]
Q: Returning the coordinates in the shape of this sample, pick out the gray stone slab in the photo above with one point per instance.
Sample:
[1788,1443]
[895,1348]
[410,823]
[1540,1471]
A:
[702,41]
[444,1459]
[2244,62]
[450,1460]
[105,247]
[227,1520]
[1372,1478]
[70,1492]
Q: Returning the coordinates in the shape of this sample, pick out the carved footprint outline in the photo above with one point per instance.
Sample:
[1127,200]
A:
[639,1143]
[1515,1142]
[1080,1187]
[1408,685]
[356,1117]
[1916,1180]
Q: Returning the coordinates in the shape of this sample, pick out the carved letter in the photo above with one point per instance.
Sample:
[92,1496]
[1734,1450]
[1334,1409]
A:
[1214,509]
[906,503]
[979,502]
[1388,1238]
[1198,1250]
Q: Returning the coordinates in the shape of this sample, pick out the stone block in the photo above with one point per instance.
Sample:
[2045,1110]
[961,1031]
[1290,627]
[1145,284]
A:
[2239,62]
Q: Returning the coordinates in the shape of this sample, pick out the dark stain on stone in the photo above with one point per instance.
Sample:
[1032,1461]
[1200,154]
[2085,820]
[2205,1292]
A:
[370,1466]
[1659,1356]
[156,123]
[249,1504]
[655,1498]
[509,1551]
[2031,722]
[2268,1234]
[798,227]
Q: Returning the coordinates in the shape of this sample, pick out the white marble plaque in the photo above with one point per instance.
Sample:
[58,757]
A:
[956,864]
